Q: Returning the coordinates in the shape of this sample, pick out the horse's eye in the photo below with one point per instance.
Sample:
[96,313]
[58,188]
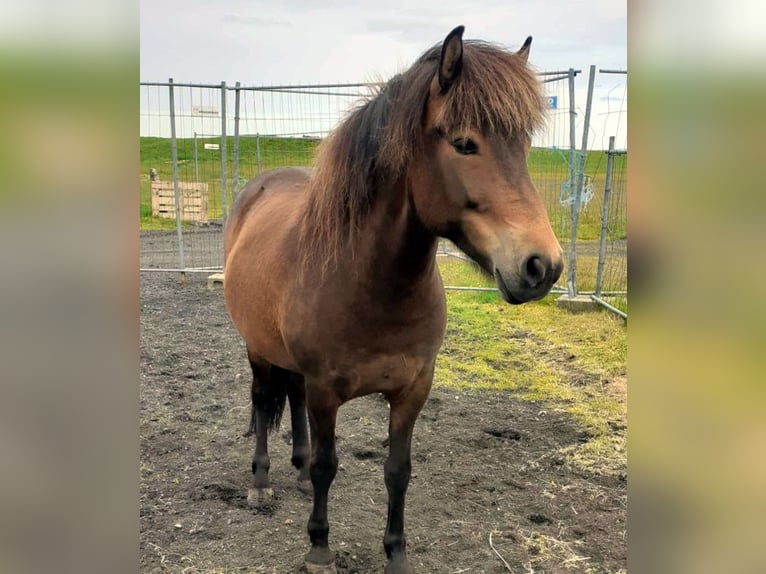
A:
[465,146]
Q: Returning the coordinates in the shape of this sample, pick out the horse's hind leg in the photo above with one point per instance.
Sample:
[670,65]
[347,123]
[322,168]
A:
[296,393]
[268,395]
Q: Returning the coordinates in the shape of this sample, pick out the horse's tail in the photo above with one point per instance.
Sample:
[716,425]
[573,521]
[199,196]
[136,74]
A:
[269,399]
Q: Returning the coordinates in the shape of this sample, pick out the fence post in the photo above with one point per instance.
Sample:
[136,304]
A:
[235,177]
[572,256]
[572,287]
[258,152]
[605,216]
[196,160]
[223,153]
[176,190]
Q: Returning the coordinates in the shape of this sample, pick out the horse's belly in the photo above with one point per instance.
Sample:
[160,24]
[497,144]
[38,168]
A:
[355,365]
[257,277]
[255,316]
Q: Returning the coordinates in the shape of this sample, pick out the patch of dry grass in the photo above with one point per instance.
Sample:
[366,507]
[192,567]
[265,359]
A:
[575,363]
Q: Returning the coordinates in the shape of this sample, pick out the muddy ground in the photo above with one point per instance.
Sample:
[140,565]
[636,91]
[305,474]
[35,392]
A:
[483,464]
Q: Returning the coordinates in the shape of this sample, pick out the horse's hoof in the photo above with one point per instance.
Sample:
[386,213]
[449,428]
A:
[399,564]
[305,486]
[260,497]
[320,561]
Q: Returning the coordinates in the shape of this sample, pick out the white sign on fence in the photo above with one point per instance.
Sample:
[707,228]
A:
[208,112]
[212,146]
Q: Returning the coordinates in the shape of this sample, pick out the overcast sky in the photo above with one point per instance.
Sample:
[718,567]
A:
[293,41]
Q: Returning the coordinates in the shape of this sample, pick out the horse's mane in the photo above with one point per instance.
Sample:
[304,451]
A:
[370,150]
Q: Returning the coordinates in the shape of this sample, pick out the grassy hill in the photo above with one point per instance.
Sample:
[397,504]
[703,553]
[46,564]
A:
[548,168]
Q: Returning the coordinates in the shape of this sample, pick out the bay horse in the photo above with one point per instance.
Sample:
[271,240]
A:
[331,276]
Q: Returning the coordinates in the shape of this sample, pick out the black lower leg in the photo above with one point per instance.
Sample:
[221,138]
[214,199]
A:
[404,411]
[397,472]
[269,394]
[260,426]
[296,394]
[323,467]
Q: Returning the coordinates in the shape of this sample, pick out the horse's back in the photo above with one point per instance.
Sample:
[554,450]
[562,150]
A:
[261,249]
[258,191]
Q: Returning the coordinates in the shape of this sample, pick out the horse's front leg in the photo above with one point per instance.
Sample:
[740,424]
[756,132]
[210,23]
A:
[322,410]
[405,408]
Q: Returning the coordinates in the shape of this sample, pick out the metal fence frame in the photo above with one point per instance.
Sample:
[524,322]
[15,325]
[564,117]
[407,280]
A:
[612,212]
[576,167]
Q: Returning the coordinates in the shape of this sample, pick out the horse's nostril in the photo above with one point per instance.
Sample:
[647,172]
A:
[535,270]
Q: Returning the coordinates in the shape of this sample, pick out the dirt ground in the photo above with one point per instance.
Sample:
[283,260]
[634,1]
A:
[484,465]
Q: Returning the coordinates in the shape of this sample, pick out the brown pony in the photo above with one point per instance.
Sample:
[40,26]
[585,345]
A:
[331,275]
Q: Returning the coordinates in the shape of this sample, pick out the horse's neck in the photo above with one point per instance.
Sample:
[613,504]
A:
[399,252]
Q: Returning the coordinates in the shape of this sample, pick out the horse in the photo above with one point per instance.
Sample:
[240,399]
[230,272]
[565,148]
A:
[330,273]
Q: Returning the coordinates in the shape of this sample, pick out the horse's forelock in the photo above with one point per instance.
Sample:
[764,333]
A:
[372,147]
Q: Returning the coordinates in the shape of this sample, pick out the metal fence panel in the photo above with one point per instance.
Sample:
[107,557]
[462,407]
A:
[552,162]
[282,126]
[605,267]
[225,135]
[612,273]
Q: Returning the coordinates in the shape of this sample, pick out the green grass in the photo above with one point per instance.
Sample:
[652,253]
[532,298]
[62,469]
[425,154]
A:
[548,169]
[616,280]
[274,152]
[157,153]
[463,274]
[576,363]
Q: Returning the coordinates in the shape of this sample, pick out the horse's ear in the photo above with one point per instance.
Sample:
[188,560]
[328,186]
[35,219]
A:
[452,58]
[523,52]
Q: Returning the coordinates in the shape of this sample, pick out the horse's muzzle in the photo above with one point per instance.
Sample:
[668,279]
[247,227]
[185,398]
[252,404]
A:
[533,281]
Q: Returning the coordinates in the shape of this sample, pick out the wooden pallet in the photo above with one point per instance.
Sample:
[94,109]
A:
[193,200]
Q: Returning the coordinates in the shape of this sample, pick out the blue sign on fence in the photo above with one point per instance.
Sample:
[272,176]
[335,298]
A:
[553,102]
